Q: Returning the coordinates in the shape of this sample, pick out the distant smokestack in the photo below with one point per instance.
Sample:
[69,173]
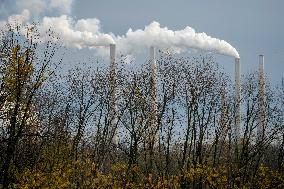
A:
[112,53]
[237,98]
[113,107]
[224,109]
[261,99]
[153,88]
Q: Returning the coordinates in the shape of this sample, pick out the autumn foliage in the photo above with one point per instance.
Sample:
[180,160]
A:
[59,131]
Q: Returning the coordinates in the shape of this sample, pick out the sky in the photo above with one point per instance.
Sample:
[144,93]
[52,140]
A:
[251,27]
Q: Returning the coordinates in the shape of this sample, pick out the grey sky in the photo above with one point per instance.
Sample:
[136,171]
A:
[252,26]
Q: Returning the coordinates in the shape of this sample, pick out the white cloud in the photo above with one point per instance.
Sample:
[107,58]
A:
[37,7]
[16,19]
[86,33]
[62,5]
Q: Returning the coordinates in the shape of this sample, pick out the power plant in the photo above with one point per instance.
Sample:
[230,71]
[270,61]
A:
[153,94]
[221,48]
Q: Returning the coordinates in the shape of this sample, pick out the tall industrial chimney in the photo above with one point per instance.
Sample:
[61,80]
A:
[153,88]
[261,100]
[113,83]
[236,131]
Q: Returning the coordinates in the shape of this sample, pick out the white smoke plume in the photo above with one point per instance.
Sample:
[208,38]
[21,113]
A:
[86,33]
[80,34]
[181,40]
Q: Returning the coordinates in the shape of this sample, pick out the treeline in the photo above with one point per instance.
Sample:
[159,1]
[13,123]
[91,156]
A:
[70,131]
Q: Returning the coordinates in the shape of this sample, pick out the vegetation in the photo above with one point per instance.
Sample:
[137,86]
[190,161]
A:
[61,131]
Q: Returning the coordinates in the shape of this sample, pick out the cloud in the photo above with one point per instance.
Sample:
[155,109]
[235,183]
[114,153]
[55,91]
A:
[87,33]
[37,8]
[15,19]
[64,6]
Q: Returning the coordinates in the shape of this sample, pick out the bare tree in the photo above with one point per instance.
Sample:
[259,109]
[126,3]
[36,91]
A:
[24,73]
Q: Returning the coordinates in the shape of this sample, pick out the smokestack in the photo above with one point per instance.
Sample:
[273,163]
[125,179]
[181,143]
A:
[261,99]
[112,53]
[237,99]
[113,107]
[153,88]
